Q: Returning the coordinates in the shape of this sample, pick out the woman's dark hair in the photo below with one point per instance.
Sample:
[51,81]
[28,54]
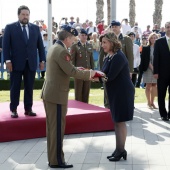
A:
[22,8]
[116,44]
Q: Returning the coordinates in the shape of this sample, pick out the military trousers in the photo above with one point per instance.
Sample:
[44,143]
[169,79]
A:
[82,90]
[55,128]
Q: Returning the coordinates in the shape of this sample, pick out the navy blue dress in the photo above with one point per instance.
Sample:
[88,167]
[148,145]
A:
[119,87]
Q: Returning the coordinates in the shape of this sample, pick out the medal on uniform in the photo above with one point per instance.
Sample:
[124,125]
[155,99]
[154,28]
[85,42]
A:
[80,55]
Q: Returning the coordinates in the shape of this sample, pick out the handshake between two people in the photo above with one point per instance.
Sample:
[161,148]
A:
[94,74]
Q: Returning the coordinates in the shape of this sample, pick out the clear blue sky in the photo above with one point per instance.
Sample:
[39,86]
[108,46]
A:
[85,9]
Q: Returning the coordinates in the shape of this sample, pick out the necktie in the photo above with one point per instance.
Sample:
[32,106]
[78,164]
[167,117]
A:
[25,34]
[169,43]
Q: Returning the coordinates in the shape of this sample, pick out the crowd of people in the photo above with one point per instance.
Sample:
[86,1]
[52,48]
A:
[122,54]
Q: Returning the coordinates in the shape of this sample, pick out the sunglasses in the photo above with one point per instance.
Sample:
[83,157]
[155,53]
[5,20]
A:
[45,35]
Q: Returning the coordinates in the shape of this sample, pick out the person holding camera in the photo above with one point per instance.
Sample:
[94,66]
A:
[62,22]
[125,27]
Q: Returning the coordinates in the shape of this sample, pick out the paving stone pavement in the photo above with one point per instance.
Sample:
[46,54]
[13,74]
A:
[148,147]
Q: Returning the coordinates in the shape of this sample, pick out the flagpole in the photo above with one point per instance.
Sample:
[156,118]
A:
[113,9]
[49,23]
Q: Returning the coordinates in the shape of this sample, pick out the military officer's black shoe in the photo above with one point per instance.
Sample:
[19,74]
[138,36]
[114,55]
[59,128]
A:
[64,165]
[14,114]
[168,116]
[165,118]
[30,113]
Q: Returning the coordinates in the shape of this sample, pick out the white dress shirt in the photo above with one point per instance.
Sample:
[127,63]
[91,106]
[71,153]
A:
[125,28]
[136,54]
[27,29]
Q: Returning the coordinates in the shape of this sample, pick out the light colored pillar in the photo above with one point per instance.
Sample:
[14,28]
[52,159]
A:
[49,4]
[113,10]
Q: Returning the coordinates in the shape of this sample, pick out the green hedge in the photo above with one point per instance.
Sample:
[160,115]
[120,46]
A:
[5,84]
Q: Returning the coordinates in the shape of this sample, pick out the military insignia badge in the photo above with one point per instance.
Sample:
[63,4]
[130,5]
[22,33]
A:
[71,51]
[67,58]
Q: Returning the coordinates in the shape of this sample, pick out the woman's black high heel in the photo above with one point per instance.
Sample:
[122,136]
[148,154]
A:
[108,157]
[117,156]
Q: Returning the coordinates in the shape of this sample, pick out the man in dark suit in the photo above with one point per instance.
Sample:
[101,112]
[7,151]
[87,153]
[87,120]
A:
[20,43]
[161,72]
[1,38]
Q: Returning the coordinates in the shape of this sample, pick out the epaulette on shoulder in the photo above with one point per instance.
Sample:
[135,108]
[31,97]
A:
[79,43]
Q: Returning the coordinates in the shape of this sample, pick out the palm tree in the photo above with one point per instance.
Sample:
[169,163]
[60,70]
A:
[157,15]
[132,13]
[99,12]
[108,12]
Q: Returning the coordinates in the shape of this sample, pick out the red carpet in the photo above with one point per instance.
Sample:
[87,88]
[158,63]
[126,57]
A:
[81,118]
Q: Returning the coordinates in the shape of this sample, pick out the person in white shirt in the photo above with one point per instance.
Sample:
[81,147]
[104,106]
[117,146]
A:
[136,54]
[137,29]
[90,29]
[125,27]
[77,24]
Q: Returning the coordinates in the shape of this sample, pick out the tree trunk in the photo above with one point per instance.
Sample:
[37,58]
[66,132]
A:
[108,12]
[157,15]
[132,13]
[99,12]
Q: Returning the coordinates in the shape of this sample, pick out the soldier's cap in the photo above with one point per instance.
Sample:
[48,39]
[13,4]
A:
[69,29]
[131,33]
[83,31]
[115,23]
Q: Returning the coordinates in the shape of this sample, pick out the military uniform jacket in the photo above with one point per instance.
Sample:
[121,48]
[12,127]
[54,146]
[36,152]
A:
[102,56]
[59,69]
[127,48]
[82,56]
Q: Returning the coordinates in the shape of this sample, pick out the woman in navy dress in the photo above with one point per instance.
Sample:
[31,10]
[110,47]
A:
[120,91]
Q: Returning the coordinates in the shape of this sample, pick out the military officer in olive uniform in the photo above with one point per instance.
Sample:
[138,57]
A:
[55,90]
[127,44]
[127,48]
[82,56]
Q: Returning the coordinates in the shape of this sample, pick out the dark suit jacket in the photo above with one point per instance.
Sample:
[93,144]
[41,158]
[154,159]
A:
[16,50]
[120,89]
[145,58]
[162,58]
[0,41]
[0,46]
